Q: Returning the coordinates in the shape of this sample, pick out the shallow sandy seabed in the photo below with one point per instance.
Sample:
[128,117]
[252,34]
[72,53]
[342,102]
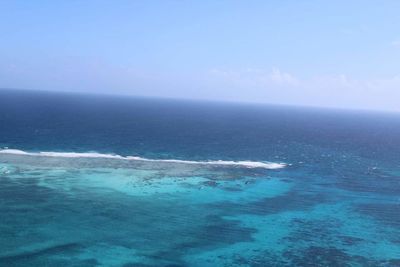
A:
[106,212]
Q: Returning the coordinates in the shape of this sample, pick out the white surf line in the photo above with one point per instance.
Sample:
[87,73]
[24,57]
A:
[244,163]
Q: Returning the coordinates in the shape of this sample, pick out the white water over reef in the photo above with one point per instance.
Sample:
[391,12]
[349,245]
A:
[243,163]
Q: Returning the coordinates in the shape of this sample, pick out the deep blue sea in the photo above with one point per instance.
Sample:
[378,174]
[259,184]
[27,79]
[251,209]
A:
[91,180]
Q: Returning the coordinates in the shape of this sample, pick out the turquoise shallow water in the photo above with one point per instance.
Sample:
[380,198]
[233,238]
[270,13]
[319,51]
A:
[105,212]
[312,187]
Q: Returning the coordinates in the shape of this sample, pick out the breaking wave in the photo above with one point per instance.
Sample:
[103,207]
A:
[243,163]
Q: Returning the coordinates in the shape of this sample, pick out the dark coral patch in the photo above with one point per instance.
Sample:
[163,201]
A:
[385,213]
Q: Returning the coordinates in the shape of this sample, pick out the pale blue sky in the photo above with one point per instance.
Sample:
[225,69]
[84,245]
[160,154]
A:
[320,53]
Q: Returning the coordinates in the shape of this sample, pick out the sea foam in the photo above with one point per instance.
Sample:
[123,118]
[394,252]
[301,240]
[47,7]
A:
[244,163]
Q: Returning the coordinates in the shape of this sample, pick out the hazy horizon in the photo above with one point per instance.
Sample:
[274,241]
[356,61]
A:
[336,55]
[205,100]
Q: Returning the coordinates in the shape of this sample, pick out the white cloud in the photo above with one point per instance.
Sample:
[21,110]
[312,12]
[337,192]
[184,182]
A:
[340,90]
[256,77]
[280,77]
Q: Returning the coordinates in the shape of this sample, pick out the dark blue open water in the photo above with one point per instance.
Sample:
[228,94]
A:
[296,186]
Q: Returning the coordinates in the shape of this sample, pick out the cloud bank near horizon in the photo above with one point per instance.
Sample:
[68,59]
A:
[336,90]
[272,86]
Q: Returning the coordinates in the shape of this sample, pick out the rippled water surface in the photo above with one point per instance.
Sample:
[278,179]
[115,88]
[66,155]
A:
[318,187]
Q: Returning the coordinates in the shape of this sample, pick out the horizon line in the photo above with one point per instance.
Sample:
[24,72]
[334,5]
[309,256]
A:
[225,101]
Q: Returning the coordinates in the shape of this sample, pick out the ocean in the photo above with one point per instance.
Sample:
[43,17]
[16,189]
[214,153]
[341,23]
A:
[96,180]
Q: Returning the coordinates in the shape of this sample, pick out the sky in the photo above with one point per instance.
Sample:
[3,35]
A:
[343,54]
